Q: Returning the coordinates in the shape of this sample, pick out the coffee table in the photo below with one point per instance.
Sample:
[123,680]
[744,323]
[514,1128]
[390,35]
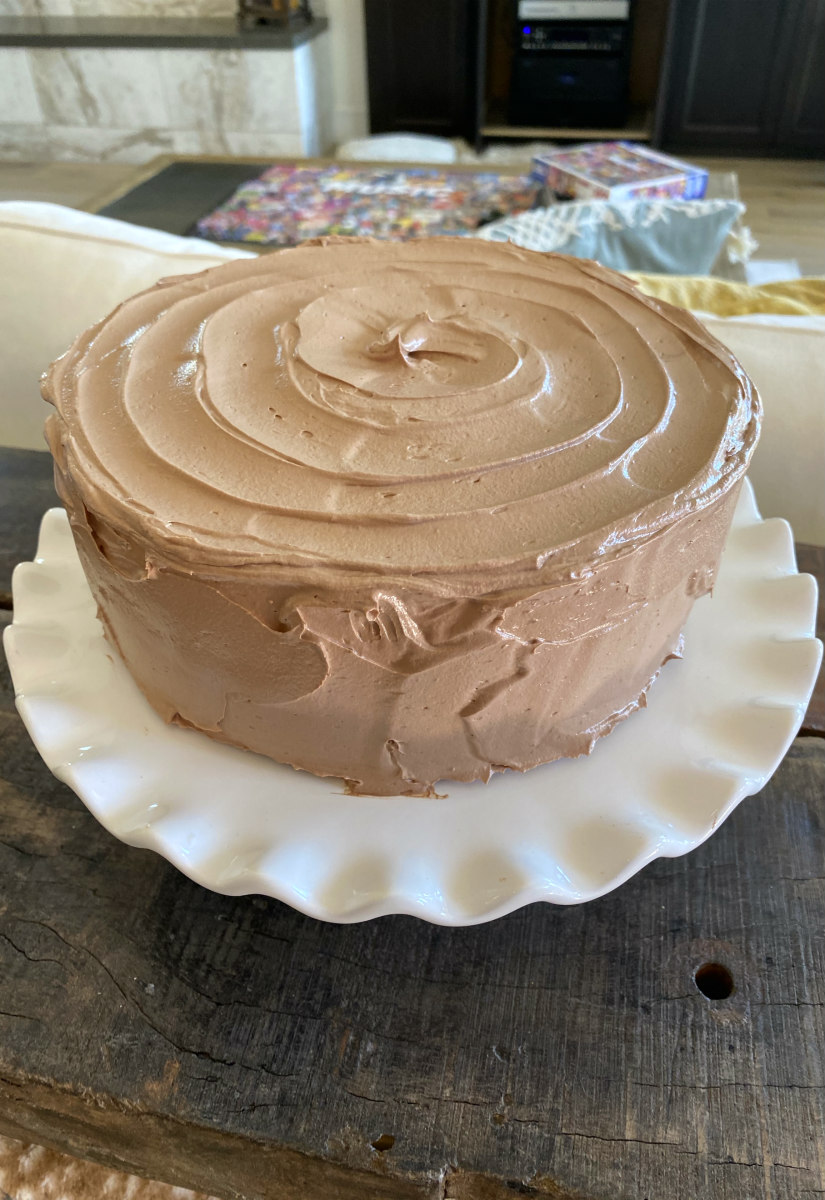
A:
[172,192]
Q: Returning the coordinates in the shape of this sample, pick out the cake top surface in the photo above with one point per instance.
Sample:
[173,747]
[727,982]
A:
[436,410]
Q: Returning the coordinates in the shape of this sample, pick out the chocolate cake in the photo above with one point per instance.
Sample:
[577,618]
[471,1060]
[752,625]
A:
[399,512]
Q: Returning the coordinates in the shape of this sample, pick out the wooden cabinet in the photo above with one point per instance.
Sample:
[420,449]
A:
[735,76]
[744,75]
[801,124]
[422,65]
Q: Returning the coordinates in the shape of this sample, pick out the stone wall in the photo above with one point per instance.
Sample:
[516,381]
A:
[120,8]
[128,105]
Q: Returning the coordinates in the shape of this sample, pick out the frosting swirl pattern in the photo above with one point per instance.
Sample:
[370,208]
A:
[403,411]
[394,453]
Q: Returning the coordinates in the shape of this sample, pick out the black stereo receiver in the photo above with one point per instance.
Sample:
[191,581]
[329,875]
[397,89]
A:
[571,63]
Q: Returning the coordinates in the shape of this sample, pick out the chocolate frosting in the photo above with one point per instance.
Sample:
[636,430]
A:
[406,455]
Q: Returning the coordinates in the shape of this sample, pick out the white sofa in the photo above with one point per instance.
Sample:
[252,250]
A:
[62,270]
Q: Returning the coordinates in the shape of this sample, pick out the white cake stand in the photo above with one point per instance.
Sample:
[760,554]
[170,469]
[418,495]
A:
[717,725]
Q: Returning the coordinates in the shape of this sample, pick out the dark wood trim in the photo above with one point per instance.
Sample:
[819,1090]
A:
[736,75]
[481,73]
[189,33]
[659,116]
[416,53]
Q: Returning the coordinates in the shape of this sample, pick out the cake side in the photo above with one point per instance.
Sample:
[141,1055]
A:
[400,691]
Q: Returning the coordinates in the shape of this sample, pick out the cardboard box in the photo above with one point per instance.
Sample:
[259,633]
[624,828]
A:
[617,171]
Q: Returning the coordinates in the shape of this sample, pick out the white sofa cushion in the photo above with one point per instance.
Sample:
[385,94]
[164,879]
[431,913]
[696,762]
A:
[61,271]
[785,358]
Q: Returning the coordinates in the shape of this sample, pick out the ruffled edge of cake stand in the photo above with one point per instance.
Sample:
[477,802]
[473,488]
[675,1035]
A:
[717,725]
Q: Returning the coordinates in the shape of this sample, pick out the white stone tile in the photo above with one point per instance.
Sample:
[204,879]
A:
[200,141]
[230,89]
[312,80]
[127,86]
[217,8]
[68,144]
[348,43]
[153,8]
[262,94]
[204,8]
[306,88]
[18,97]
[109,88]
[349,124]
[187,79]
[350,105]
[261,145]
[321,52]
[64,96]
[36,8]
[24,143]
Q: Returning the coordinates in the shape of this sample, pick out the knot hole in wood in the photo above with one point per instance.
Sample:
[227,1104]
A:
[714,981]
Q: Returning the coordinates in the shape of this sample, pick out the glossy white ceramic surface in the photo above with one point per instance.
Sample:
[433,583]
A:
[716,726]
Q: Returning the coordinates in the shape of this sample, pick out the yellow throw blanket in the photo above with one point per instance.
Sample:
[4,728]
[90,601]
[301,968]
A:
[797,297]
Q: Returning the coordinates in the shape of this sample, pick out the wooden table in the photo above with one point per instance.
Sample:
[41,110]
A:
[236,1046]
[173,191]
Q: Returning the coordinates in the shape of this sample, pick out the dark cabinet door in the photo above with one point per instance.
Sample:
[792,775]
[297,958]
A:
[723,72]
[802,116]
[743,75]
[421,66]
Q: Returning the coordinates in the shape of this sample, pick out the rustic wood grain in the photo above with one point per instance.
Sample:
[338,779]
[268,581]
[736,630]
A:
[235,1046]
[811,559]
[26,491]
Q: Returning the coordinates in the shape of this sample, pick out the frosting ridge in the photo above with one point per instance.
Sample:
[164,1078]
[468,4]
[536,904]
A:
[379,408]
